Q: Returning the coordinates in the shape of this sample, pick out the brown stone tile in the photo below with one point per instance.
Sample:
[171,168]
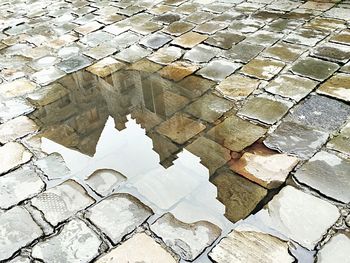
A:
[189,39]
[178,70]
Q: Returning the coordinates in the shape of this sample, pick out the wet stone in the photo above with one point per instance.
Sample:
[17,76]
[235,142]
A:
[337,86]
[342,38]
[201,53]
[346,68]
[62,201]
[341,142]
[180,128]
[147,27]
[88,27]
[16,128]
[18,230]
[132,54]
[105,67]
[47,94]
[296,139]
[131,214]
[117,28]
[262,68]
[189,40]
[167,18]
[265,109]
[291,86]
[178,28]
[338,12]
[244,52]
[12,155]
[146,66]
[16,88]
[328,174]
[224,39]
[187,240]
[199,17]
[237,87]
[304,36]
[321,112]
[125,40]
[335,250]
[218,69]
[44,62]
[100,51]
[155,41]
[264,38]
[53,166]
[209,107]
[74,63]
[313,5]
[194,86]
[242,246]
[284,51]
[239,195]
[19,185]
[104,181]
[96,38]
[166,55]
[178,70]
[333,52]
[283,25]
[314,68]
[246,26]
[75,243]
[210,27]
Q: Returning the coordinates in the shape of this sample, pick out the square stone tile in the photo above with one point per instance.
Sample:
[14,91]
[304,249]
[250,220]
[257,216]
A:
[166,55]
[224,39]
[178,28]
[283,25]
[341,142]
[96,38]
[167,18]
[245,26]
[284,51]
[210,27]
[320,6]
[337,86]
[16,88]
[125,40]
[201,53]
[264,38]
[100,52]
[307,37]
[194,86]
[342,38]
[13,154]
[155,41]
[325,24]
[132,54]
[333,52]
[12,108]
[284,5]
[180,128]
[218,69]
[339,13]
[178,70]
[53,166]
[88,27]
[105,67]
[16,128]
[236,134]
[199,17]
[263,68]
[74,63]
[145,65]
[291,86]
[189,40]
[117,28]
[244,52]
[313,68]
[146,28]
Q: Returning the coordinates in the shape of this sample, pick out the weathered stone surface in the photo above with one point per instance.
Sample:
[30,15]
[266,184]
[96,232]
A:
[333,52]
[291,86]
[187,240]
[219,69]
[244,52]
[341,142]
[284,51]
[74,63]
[62,201]
[103,181]
[75,243]
[239,195]
[12,155]
[88,27]
[224,39]
[20,259]
[19,185]
[235,133]
[262,68]
[100,51]
[210,27]
[155,41]
[264,37]
[145,65]
[314,68]
[16,128]
[14,107]
[194,86]
[296,139]
[16,88]
[307,37]
[265,109]
[201,53]
[178,70]
[337,86]
[132,54]
[343,37]
[166,55]
[18,230]
[338,12]
[105,67]
[237,87]
[139,248]
[300,216]
[335,250]
[253,247]
[178,28]
[328,174]
[48,75]
[180,128]
[118,215]
[189,40]
[53,166]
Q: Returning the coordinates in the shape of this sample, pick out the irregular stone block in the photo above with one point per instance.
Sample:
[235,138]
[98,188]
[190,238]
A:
[74,63]
[337,86]
[155,41]
[341,142]
[219,69]
[53,166]
[335,250]
[132,54]
[194,86]
[201,53]
[166,55]
[333,52]
[178,70]
[189,40]
[12,155]
[13,108]
[224,39]
[16,88]
[262,68]
[285,52]
[16,128]
[103,181]
[244,52]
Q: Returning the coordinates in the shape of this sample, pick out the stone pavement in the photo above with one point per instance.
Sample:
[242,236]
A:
[175,130]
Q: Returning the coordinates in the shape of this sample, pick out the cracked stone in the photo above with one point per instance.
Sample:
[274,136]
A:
[178,70]
[12,155]
[155,41]
[236,133]
[75,243]
[194,86]
[62,201]
[132,54]
[19,185]
[18,230]
[242,246]
[341,142]
[284,51]
[262,68]
[187,240]
[333,52]
[244,52]
[224,39]
[12,108]
[74,64]
[16,128]
[178,28]
[219,69]
[189,40]
[201,53]
[105,67]
[131,214]
[328,174]
[166,55]
[306,37]
[16,88]
[335,250]
[53,166]
[338,86]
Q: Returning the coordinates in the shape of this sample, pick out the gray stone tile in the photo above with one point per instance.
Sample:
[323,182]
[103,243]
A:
[244,52]
[341,141]
[16,128]
[178,28]
[335,249]
[47,76]
[262,68]
[166,55]
[132,54]
[74,64]
[307,37]
[53,166]
[155,41]
[224,39]
[201,53]
[13,154]
[333,52]
[338,86]
[218,69]
[12,108]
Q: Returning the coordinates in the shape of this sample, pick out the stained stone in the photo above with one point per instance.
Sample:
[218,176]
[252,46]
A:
[245,26]
[14,107]
[166,55]
[155,41]
[96,38]
[194,86]
[291,86]
[145,65]
[187,240]
[296,139]
[335,250]
[249,246]
[146,28]
[307,37]
[167,18]
[237,87]
[100,51]
[244,52]
[16,88]
[18,230]
[235,133]
[342,38]
[239,195]
[103,181]
[75,243]
[210,27]
[218,69]
[178,70]
[224,39]
[338,12]
[105,67]
[199,17]
[325,24]
[180,128]
[333,52]
[283,25]
[201,53]
[189,40]
[16,128]
[132,54]
[284,51]
[328,174]
[47,94]
[262,68]
[117,28]
[301,217]
[88,27]
[44,62]
[314,68]
[53,166]
[131,213]
[264,38]
[125,40]
[67,52]
[212,154]
[341,142]
[12,155]
[19,185]
[317,5]
[62,201]
[139,248]
[74,63]
[321,112]
[178,28]
[337,86]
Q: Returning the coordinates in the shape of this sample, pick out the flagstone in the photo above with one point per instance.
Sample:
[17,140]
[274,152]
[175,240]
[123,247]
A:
[244,51]
[224,39]
[338,86]
[178,70]
[16,128]
[341,142]
[13,154]
[285,52]
[218,69]
[105,67]
[14,107]
[166,55]
[132,54]
[178,28]
[333,52]
[189,40]
[16,88]
[335,250]
[262,68]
